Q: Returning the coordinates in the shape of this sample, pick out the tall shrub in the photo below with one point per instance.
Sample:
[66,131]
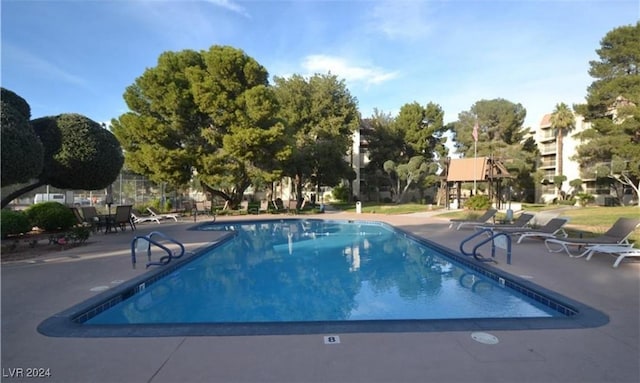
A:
[13,223]
[478,202]
[50,216]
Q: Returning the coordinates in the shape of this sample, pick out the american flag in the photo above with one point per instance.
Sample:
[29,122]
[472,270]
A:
[475,132]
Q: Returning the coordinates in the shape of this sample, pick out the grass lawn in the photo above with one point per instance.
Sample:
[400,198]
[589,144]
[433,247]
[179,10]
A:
[585,221]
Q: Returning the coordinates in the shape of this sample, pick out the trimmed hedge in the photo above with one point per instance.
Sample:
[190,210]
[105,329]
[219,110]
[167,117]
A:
[478,202]
[13,223]
[50,216]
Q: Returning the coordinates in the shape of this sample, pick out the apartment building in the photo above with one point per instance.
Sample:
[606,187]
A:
[546,138]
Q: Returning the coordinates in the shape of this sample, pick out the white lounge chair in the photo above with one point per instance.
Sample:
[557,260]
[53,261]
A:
[157,214]
[620,251]
[480,220]
[618,234]
[143,218]
[552,229]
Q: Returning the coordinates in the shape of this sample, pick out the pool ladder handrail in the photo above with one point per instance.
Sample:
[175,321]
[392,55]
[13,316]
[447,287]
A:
[148,238]
[491,238]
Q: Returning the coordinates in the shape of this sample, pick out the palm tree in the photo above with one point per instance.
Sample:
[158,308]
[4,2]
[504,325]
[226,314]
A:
[562,121]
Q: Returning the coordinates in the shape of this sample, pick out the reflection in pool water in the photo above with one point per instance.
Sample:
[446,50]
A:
[312,270]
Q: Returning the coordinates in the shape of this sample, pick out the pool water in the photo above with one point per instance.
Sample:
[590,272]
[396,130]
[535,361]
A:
[315,270]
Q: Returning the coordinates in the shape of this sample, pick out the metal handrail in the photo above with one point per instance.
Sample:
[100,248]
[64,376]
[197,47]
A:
[148,238]
[474,251]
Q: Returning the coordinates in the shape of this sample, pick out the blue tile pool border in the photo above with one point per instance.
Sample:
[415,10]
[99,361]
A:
[70,322]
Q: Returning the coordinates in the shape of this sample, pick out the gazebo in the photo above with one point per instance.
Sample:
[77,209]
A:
[479,169]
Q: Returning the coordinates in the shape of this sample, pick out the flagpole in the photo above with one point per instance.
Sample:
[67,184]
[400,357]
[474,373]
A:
[475,165]
[475,132]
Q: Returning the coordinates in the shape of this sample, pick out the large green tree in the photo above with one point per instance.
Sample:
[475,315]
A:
[21,150]
[385,142]
[210,114]
[613,109]
[500,125]
[500,134]
[78,154]
[321,116]
[423,130]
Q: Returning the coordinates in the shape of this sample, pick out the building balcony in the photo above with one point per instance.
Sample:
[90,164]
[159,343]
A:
[546,138]
[548,164]
[547,151]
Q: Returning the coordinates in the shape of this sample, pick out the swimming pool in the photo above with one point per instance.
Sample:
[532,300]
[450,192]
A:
[314,276]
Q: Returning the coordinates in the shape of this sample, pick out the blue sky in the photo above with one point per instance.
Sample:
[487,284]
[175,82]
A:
[79,56]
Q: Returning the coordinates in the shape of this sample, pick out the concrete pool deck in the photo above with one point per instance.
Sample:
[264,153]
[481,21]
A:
[33,291]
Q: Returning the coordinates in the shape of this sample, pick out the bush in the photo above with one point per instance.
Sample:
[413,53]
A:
[585,198]
[79,233]
[478,202]
[50,216]
[21,149]
[158,206]
[341,193]
[13,223]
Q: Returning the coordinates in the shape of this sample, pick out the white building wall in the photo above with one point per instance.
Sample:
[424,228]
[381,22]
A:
[571,168]
[356,160]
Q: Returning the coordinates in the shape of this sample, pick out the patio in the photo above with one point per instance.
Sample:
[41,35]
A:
[32,291]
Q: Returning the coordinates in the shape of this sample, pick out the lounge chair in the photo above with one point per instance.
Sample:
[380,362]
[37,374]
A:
[620,251]
[138,218]
[480,220]
[519,223]
[157,214]
[552,229]
[618,234]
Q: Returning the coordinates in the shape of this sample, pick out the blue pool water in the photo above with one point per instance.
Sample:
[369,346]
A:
[314,270]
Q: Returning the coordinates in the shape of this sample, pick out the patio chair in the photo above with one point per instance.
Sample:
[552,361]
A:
[264,206]
[79,218]
[139,218]
[552,229]
[76,213]
[618,234]
[155,213]
[248,208]
[123,218]
[91,217]
[202,208]
[278,205]
[480,220]
[292,206]
[519,223]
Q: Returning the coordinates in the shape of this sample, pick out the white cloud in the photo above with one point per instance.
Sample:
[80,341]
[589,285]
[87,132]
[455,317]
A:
[400,19]
[230,5]
[349,72]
